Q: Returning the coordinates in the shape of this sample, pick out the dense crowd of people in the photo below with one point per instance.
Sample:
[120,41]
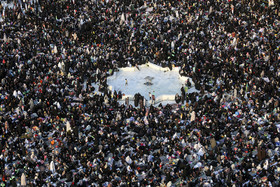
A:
[57,129]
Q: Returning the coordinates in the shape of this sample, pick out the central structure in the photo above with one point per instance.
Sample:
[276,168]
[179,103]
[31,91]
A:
[148,81]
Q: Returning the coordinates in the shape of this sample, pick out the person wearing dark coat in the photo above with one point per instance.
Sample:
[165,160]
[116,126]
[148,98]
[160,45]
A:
[177,98]
[183,94]
[136,99]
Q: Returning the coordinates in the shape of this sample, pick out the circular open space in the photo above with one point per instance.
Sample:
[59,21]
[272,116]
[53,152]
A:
[162,82]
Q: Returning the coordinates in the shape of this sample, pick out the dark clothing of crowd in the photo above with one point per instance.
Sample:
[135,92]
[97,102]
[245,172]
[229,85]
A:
[61,125]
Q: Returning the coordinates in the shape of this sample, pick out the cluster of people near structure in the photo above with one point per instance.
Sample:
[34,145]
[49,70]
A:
[58,128]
